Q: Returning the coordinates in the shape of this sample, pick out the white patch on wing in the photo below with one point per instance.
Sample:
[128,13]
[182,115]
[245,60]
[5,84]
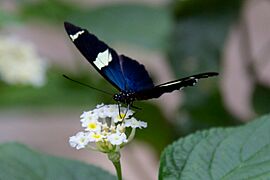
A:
[103,59]
[177,82]
[75,36]
[168,84]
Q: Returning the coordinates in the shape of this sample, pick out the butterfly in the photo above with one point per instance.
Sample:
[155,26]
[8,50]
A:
[127,75]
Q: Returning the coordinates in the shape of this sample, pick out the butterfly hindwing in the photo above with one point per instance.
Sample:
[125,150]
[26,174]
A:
[100,55]
[179,84]
[136,76]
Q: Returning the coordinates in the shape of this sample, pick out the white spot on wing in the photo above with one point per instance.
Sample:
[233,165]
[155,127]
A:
[103,59]
[75,36]
[195,81]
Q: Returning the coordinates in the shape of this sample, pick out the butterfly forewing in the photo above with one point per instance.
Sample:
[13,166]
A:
[100,55]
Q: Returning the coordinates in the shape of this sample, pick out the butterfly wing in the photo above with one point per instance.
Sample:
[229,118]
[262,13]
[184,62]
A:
[179,84]
[136,76]
[121,71]
[104,59]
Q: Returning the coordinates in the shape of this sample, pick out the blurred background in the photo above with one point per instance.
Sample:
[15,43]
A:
[173,39]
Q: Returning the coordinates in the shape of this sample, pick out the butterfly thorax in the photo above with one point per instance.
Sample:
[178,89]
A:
[125,97]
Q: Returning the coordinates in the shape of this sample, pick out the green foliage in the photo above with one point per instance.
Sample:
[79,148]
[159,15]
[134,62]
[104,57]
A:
[260,99]
[232,153]
[20,162]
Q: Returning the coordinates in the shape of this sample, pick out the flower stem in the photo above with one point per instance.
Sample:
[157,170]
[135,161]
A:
[115,158]
[117,166]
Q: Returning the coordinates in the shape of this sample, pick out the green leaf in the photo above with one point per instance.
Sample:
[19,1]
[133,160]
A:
[227,154]
[260,98]
[20,162]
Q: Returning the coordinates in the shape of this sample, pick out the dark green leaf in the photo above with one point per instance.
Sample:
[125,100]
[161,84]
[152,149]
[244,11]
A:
[233,153]
[261,97]
[19,162]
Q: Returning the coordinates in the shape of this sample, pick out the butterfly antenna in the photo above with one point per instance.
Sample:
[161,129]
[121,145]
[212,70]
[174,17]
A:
[86,85]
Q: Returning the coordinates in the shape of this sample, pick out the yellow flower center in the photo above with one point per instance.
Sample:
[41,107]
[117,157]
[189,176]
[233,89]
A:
[121,116]
[96,136]
[92,125]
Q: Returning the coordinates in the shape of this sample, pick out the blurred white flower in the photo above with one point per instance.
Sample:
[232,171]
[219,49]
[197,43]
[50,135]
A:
[20,63]
[80,140]
[106,129]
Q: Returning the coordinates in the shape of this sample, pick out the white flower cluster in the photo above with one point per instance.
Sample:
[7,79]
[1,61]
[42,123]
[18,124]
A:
[20,63]
[106,128]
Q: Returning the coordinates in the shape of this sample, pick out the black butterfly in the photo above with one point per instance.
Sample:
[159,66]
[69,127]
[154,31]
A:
[124,73]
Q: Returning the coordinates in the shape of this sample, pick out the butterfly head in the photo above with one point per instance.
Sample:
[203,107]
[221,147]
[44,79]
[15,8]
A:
[124,97]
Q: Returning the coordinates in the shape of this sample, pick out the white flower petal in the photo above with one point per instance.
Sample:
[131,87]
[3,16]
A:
[79,141]
[117,138]
[95,137]
[134,123]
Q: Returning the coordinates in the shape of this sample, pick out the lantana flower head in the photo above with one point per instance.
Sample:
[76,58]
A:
[105,128]
[20,63]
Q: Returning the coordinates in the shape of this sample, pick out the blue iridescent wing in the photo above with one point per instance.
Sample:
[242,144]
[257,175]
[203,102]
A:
[104,59]
[179,84]
[136,76]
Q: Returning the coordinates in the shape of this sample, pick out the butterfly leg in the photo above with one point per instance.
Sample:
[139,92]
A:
[119,111]
[128,107]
